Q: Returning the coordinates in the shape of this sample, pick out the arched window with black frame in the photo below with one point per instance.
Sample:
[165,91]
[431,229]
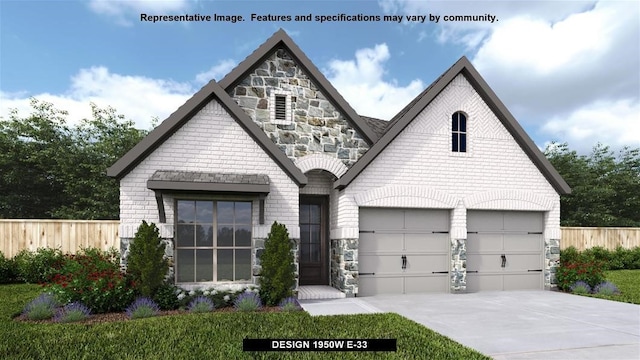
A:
[459,132]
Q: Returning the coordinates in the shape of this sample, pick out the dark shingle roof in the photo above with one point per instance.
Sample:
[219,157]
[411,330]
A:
[207,177]
[377,125]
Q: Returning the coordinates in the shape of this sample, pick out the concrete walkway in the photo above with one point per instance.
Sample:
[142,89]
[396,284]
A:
[513,324]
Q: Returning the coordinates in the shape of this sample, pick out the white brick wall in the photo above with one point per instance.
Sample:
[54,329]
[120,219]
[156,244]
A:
[211,141]
[418,168]
[321,161]
[319,183]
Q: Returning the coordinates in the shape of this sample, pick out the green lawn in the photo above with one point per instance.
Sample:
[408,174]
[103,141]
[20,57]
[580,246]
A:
[628,282]
[210,336]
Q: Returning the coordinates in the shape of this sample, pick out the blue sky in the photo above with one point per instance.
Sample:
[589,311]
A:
[567,70]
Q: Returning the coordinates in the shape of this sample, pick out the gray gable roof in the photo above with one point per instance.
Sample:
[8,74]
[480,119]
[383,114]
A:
[377,125]
[208,181]
[281,39]
[184,113]
[415,107]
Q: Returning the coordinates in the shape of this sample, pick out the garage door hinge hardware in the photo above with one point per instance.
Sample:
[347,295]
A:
[535,233]
[439,232]
[404,262]
[538,270]
[472,232]
[366,273]
[366,231]
[472,272]
[439,272]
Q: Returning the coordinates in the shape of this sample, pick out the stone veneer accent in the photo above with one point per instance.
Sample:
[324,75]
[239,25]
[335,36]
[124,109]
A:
[458,265]
[317,126]
[344,265]
[551,262]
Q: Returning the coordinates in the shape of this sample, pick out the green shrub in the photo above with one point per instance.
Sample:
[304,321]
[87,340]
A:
[92,277]
[569,255]
[8,270]
[277,278]
[591,273]
[166,297]
[35,267]
[620,258]
[146,262]
[598,254]
[634,262]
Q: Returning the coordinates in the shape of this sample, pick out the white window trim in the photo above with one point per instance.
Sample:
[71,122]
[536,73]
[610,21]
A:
[272,108]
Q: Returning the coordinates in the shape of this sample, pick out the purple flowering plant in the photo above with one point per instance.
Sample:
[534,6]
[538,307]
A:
[72,312]
[290,304]
[248,301]
[142,307]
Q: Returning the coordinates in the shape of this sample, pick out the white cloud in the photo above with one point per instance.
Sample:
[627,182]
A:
[122,10]
[564,65]
[615,123]
[138,98]
[216,72]
[361,83]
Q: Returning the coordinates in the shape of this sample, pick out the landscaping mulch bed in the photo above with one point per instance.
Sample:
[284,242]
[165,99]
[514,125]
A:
[122,316]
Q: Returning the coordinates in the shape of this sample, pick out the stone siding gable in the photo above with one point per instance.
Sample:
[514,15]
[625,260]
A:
[316,126]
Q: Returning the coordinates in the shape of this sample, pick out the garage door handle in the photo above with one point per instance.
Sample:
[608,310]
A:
[504,260]
[439,272]
[404,262]
[366,273]
[538,270]
[473,272]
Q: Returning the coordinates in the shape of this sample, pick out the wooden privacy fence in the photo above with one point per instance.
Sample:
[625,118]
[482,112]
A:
[66,235]
[72,235]
[609,238]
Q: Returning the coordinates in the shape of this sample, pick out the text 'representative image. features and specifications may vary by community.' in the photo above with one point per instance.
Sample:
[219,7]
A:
[421,18]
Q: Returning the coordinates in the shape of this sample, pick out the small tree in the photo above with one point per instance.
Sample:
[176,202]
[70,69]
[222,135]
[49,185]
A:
[277,278]
[146,262]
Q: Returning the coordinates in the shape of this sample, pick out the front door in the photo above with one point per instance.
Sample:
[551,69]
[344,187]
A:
[313,240]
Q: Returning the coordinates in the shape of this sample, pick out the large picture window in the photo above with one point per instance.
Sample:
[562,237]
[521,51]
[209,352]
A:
[213,241]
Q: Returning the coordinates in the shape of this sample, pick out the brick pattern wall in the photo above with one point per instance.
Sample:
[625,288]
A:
[211,141]
[495,173]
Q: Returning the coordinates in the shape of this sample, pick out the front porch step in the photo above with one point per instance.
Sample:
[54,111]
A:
[317,292]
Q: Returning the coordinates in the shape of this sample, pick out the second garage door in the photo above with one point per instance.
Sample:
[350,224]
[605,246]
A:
[504,250]
[403,251]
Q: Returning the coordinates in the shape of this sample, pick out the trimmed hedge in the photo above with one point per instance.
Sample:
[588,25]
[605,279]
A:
[589,265]
[8,270]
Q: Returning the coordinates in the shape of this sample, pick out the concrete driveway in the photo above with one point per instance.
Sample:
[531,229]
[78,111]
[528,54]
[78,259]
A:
[513,324]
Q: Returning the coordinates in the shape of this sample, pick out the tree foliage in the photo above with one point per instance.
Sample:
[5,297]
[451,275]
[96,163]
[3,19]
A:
[146,262]
[52,170]
[605,187]
[277,278]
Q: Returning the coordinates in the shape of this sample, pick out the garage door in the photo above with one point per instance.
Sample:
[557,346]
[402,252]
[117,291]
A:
[403,251]
[504,250]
